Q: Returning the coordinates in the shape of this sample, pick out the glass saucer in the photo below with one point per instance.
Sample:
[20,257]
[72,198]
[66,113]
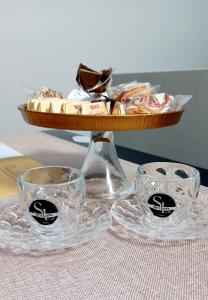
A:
[17,234]
[127,213]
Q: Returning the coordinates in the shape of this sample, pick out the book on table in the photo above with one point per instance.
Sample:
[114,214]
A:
[11,164]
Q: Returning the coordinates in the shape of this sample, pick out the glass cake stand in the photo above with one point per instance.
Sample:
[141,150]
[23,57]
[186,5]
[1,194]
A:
[105,178]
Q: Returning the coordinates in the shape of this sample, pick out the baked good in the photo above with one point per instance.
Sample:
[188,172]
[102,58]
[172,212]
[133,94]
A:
[135,109]
[160,102]
[130,98]
[46,105]
[119,109]
[135,92]
[65,106]
[127,92]
[94,108]
[46,92]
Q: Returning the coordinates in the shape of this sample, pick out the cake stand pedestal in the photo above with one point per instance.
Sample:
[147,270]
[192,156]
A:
[104,175]
[105,178]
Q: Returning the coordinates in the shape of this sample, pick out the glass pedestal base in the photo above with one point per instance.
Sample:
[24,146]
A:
[105,178]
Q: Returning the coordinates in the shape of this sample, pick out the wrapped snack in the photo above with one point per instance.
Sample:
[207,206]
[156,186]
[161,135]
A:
[156,103]
[42,105]
[71,108]
[137,109]
[119,109]
[46,105]
[93,85]
[127,92]
[92,81]
[32,104]
[93,99]
[67,107]
[94,108]
[55,106]
[42,99]
[46,92]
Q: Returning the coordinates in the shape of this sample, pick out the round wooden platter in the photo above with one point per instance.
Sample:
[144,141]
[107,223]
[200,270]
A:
[99,123]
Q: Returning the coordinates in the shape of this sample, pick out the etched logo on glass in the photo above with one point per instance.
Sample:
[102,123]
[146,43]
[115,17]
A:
[44,212]
[161,205]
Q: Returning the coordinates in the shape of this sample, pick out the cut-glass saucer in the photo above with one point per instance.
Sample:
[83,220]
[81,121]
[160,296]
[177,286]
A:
[17,234]
[128,213]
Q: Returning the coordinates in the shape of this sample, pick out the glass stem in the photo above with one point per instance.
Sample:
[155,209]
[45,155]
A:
[104,174]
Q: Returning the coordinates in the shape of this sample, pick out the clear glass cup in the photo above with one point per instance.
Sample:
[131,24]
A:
[166,192]
[52,198]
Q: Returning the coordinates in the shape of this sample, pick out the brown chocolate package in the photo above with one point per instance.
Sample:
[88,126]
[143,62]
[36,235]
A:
[92,81]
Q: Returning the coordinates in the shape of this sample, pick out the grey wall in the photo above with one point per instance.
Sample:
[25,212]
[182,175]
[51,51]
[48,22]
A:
[187,141]
[43,41]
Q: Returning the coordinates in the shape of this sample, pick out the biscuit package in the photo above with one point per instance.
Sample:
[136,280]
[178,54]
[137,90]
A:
[143,98]
[132,90]
[157,103]
[48,100]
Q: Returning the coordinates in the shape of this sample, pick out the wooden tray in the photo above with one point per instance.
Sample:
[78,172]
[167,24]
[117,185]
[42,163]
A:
[99,123]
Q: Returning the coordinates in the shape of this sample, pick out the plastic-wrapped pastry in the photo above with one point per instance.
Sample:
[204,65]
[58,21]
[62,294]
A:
[129,91]
[137,109]
[156,102]
[129,98]
[46,92]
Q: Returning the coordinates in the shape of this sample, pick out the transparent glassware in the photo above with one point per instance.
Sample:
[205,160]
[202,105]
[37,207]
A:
[18,234]
[104,176]
[52,212]
[166,204]
[166,192]
[51,198]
